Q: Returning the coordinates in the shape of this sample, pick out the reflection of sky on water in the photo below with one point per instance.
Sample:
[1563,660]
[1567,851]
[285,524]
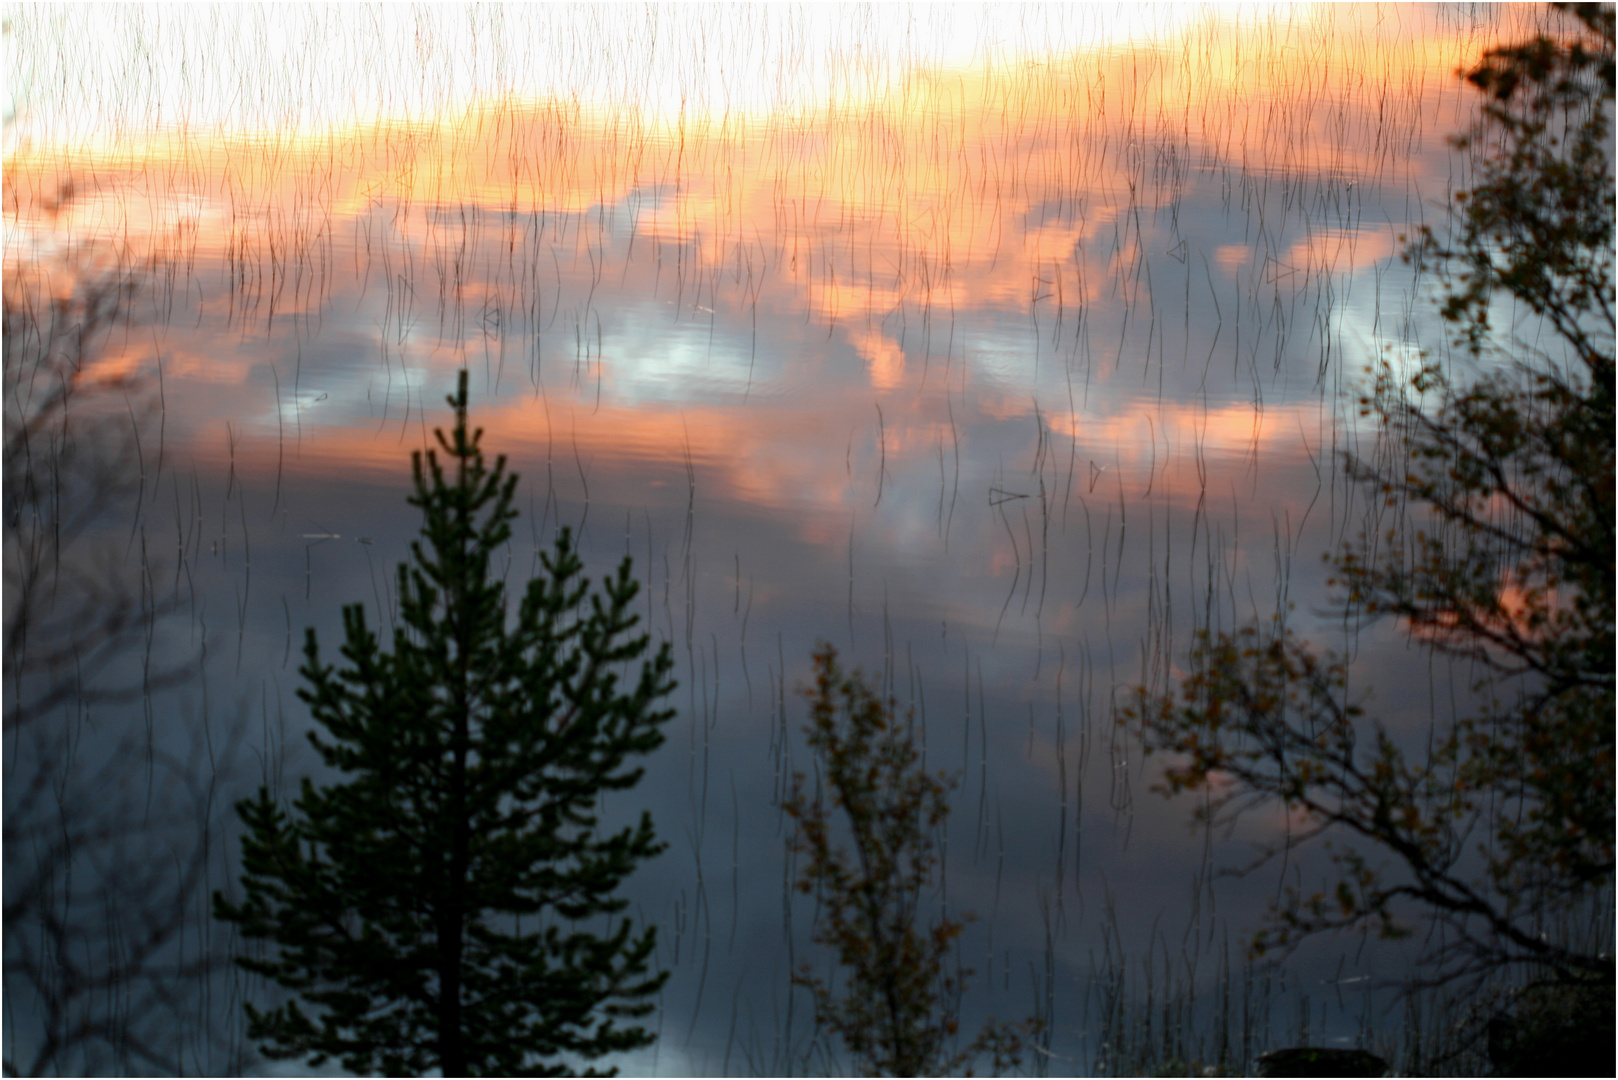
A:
[1000,377]
[313,68]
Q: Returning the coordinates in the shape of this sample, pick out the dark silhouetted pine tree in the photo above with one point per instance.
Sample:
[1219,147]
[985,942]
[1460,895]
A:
[449,900]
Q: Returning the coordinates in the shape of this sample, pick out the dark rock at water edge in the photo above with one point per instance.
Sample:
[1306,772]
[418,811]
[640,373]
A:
[1320,1061]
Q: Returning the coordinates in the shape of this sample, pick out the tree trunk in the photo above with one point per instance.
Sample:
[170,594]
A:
[453,917]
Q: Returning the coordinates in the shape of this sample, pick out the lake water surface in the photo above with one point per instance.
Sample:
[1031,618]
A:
[1000,348]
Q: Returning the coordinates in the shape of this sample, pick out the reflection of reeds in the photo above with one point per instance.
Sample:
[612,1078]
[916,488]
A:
[895,218]
[115,789]
[1155,1016]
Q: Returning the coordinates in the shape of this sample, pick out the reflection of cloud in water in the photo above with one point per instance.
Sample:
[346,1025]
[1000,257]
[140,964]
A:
[996,376]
